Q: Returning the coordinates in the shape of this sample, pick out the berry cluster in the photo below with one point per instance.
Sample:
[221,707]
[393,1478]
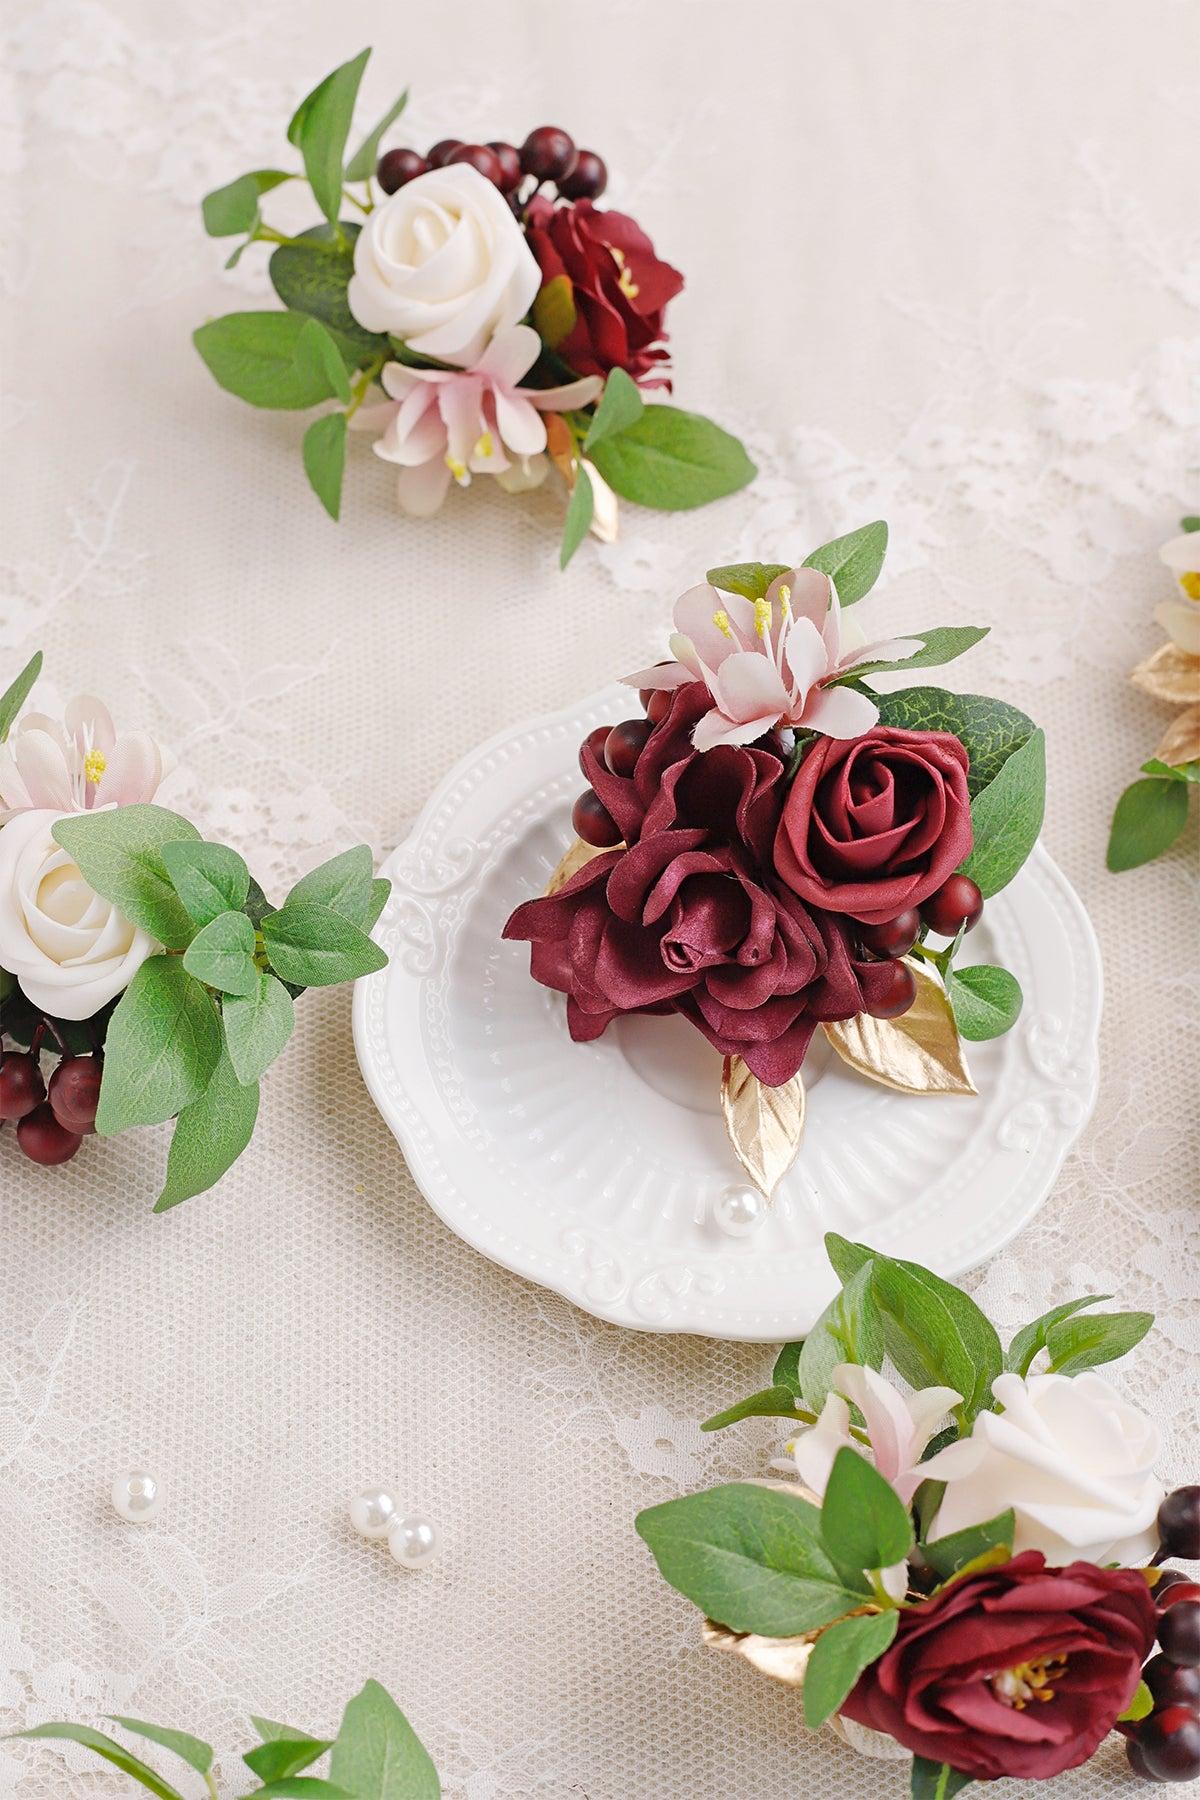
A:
[548,154]
[1166,1745]
[51,1121]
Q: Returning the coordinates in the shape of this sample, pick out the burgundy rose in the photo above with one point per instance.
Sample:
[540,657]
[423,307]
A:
[1018,1671]
[875,824]
[620,288]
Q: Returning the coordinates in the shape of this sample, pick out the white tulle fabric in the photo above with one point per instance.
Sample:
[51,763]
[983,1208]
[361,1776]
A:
[948,275]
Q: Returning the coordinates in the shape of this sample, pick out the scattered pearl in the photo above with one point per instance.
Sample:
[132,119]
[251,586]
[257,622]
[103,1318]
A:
[137,1497]
[413,1542]
[372,1513]
[739,1210]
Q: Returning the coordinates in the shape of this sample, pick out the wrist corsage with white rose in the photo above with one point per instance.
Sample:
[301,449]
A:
[144,974]
[778,847]
[968,1568]
[510,321]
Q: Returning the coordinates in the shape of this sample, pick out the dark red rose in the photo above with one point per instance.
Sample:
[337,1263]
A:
[1020,1671]
[874,824]
[619,286]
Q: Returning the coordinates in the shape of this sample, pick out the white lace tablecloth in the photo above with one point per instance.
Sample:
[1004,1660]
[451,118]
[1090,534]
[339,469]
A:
[941,267]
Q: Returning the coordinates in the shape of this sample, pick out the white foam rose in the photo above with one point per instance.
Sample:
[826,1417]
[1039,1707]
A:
[443,264]
[1072,1459]
[71,950]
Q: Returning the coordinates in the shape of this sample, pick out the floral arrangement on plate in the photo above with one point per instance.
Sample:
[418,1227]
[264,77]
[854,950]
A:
[967,1571]
[146,964]
[770,848]
[510,321]
[1152,813]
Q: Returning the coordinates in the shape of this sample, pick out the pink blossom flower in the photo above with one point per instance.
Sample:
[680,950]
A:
[77,763]
[441,423]
[772,661]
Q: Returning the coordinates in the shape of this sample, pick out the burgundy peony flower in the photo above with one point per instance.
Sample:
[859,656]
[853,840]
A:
[1020,1670]
[619,286]
[875,824]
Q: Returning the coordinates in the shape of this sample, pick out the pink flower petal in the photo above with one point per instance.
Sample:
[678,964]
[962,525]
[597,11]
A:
[839,712]
[714,728]
[89,724]
[804,654]
[749,686]
[694,620]
[461,402]
[883,650]
[810,594]
[421,489]
[133,772]
[665,678]
[43,768]
[510,355]
[520,425]
[567,397]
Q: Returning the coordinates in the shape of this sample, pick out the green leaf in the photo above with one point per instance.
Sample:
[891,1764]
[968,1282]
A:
[380,889]
[948,1556]
[160,1048]
[864,1523]
[233,209]
[986,1001]
[1191,522]
[1083,1342]
[936,1781]
[378,1755]
[853,562]
[209,878]
[301,1787]
[579,516]
[941,645]
[110,1750]
[673,460]
[1006,817]
[324,454]
[14,697]
[317,352]
[991,730]
[311,276]
[848,1331]
[119,852]
[1032,1337]
[768,1403]
[222,954]
[621,405]
[839,1657]
[257,1026]
[846,1258]
[750,1557]
[1188,771]
[554,311]
[786,1372]
[362,164]
[254,355]
[194,1751]
[923,1335]
[751,579]
[320,127]
[1140,1707]
[209,1136]
[343,884]
[286,1753]
[1150,815]
[316,947]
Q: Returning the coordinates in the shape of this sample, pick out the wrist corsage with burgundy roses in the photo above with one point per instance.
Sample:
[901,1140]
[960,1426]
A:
[777,847]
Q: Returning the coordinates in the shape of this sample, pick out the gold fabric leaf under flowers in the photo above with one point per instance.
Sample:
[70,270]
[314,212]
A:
[784,1659]
[918,1053]
[576,858]
[1182,741]
[1171,675]
[765,1124]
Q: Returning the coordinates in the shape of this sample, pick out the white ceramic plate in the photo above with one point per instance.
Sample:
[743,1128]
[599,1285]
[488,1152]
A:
[593,1168]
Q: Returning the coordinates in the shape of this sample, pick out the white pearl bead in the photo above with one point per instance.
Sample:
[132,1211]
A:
[137,1496]
[413,1542]
[739,1210]
[372,1513]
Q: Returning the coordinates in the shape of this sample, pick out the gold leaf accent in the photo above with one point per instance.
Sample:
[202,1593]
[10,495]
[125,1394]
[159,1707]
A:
[1182,741]
[1170,674]
[577,857]
[765,1124]
[784,1659]
[918,1053]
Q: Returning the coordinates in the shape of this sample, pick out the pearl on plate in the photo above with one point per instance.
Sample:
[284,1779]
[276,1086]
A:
[373,1513]
[739,1210]
[136,1496]
[413,1542]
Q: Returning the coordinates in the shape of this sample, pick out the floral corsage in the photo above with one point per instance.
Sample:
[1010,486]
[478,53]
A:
[511,322]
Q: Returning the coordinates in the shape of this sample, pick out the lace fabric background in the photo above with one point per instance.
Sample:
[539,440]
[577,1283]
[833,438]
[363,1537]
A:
[940,268]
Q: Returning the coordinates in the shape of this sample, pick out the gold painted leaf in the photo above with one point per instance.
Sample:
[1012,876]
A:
[765,1124]
[576,858]
[918,1053]
[784,1659]
[1170,674]
[1182,741]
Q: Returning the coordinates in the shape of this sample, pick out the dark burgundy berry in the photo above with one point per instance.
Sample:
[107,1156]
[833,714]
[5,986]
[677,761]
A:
[1178,1590]
[395,167]
[587,180]
[595,742]
[1170,1744]
[957,902]
[21,1085]
[1178,1630]
[625,744]
[43,1139]
[1172,1684]
[1179,1523]
[75,1092]
[896,938]
[549,153]
[658,705]
[439,156]
[898,992]
[593,822]
[1137,1761]
[478,156]
[1167,1578]
[509,158]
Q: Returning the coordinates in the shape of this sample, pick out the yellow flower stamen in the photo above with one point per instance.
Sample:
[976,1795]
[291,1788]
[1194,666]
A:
[94,765]
[485,445]
[721,621]
[785,600]
[762,617]
[457,469]
[625,281]
[1033,1680]
[1189,581]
